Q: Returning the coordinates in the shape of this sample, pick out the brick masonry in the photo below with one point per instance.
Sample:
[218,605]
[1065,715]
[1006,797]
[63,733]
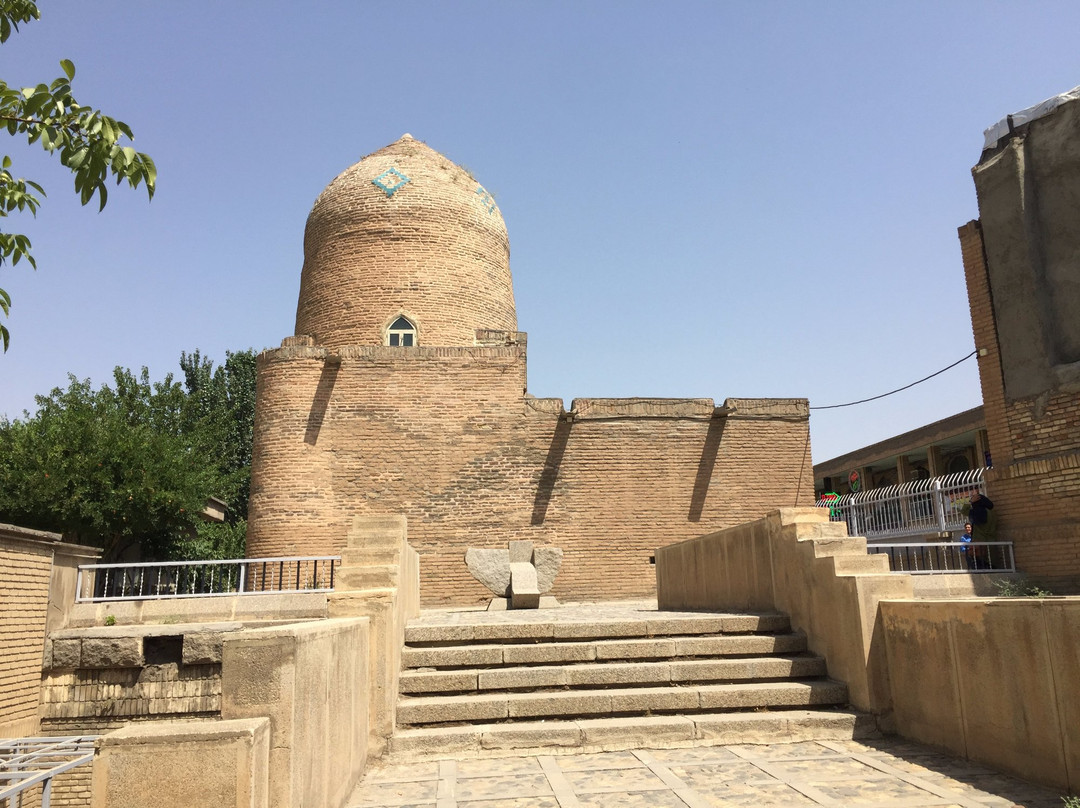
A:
[25,570]
[446,436]
[445,432]
[1035,482]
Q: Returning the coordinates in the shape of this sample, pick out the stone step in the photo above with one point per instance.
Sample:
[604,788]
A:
[464,656]
[655,732]
[537,629]
[614,701]
[876,563]
[606,674]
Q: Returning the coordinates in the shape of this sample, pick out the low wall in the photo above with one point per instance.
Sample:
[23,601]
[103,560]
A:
[277,606]
[311,681]
[796,561]
[220,763]
[379,579]
[997,681]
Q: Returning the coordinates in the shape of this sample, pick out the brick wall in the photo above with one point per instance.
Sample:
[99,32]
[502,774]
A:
[1035,482]
[436,250]
[446,436]
[25,570]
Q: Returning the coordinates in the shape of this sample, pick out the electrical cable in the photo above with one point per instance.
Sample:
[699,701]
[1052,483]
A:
[898,389]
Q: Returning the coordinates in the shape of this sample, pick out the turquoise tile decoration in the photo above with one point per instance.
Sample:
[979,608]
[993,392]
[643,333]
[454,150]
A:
[390,181]
[485,199]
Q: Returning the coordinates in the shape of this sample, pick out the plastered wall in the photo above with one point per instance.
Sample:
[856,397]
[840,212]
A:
[447,437]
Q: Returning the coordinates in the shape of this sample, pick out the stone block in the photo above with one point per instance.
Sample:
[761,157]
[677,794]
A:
[451,708]
[491,568]
[630,673]
[556,734]
[749,695]
[646,699]
[437,682]
[520,552]
[175,764]
[643,731]
[524,705]
[549,652]
[436,740]
[523,591]
[547,561]
[472,656]
[66,654]
[509,678]
[687,625]
[712,670]
[635,649]
[202,648]
[111,652]
[598,629]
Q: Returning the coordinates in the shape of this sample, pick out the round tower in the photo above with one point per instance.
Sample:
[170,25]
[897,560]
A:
[404,248]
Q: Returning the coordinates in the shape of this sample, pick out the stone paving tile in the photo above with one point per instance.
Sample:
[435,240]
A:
[502,786]
[612,780]
[827,774]
[632,799]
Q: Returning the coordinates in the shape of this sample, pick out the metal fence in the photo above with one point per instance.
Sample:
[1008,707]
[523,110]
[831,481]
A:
[29,762]
[200,579]
[952,556]
[918,508]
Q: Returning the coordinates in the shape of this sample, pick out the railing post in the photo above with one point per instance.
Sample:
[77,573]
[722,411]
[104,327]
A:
[939,505]
[243,576]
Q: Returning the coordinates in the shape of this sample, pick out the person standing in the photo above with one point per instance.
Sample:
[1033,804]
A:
[982,527]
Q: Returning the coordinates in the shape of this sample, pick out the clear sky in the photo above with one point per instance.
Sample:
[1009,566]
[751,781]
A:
[704,199]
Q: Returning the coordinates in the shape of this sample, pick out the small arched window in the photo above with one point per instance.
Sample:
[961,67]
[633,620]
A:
[401,334]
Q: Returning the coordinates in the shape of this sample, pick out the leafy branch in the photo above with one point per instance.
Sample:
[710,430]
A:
[88,142]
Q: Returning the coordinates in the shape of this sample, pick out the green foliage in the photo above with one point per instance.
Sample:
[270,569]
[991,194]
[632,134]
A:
[134,462]
[1021,588]
[89,143]
[1071,802]
[110,620]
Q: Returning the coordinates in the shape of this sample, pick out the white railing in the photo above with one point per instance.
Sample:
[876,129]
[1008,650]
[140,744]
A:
[201,579]
[924,558]
[28,762]
[918,508]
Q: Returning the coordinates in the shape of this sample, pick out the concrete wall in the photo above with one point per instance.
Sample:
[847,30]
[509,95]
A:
[37,575]
[794,560]
[278,606]
[311,681]
[445,437]
[221,763]
[997,681]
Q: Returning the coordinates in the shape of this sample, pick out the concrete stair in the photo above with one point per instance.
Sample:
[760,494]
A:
[543,684]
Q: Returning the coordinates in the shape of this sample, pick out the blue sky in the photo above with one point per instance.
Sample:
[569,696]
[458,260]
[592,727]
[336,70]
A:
[704,199]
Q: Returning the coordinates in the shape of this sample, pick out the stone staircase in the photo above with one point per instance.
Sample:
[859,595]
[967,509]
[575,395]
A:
[541,682]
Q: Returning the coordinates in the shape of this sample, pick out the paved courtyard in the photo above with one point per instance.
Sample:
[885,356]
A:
[820,773]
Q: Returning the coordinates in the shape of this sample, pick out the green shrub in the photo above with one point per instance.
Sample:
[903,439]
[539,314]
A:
[1022,588]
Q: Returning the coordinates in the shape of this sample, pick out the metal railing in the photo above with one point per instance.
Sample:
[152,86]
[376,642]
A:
[201,579]
[924,558]
[918,508]
[27,762]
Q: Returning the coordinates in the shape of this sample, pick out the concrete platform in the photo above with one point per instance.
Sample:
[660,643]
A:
[818,773]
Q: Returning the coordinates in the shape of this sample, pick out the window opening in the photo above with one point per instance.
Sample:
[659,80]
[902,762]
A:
[401,334]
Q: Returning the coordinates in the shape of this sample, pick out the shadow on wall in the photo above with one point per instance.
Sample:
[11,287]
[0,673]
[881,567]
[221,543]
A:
[550,473]
[325,389]
[705,468]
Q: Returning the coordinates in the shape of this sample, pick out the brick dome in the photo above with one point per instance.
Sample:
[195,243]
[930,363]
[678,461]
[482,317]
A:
[404,233]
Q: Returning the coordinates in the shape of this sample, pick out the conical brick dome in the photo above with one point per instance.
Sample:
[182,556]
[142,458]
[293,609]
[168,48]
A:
[404,233]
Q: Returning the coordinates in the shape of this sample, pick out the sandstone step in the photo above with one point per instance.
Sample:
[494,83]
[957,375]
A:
[615,701]
[538,630]
[611,674]
[656,732]
[463,656]
[367,556]
[874,564]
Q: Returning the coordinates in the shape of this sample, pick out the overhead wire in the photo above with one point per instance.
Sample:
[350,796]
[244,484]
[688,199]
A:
[898,389]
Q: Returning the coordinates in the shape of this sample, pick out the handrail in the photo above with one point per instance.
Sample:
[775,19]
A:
[936,557]
[918,508]
[154,580]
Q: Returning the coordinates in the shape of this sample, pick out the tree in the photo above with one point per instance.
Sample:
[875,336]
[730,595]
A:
[134,462]
[88,142]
